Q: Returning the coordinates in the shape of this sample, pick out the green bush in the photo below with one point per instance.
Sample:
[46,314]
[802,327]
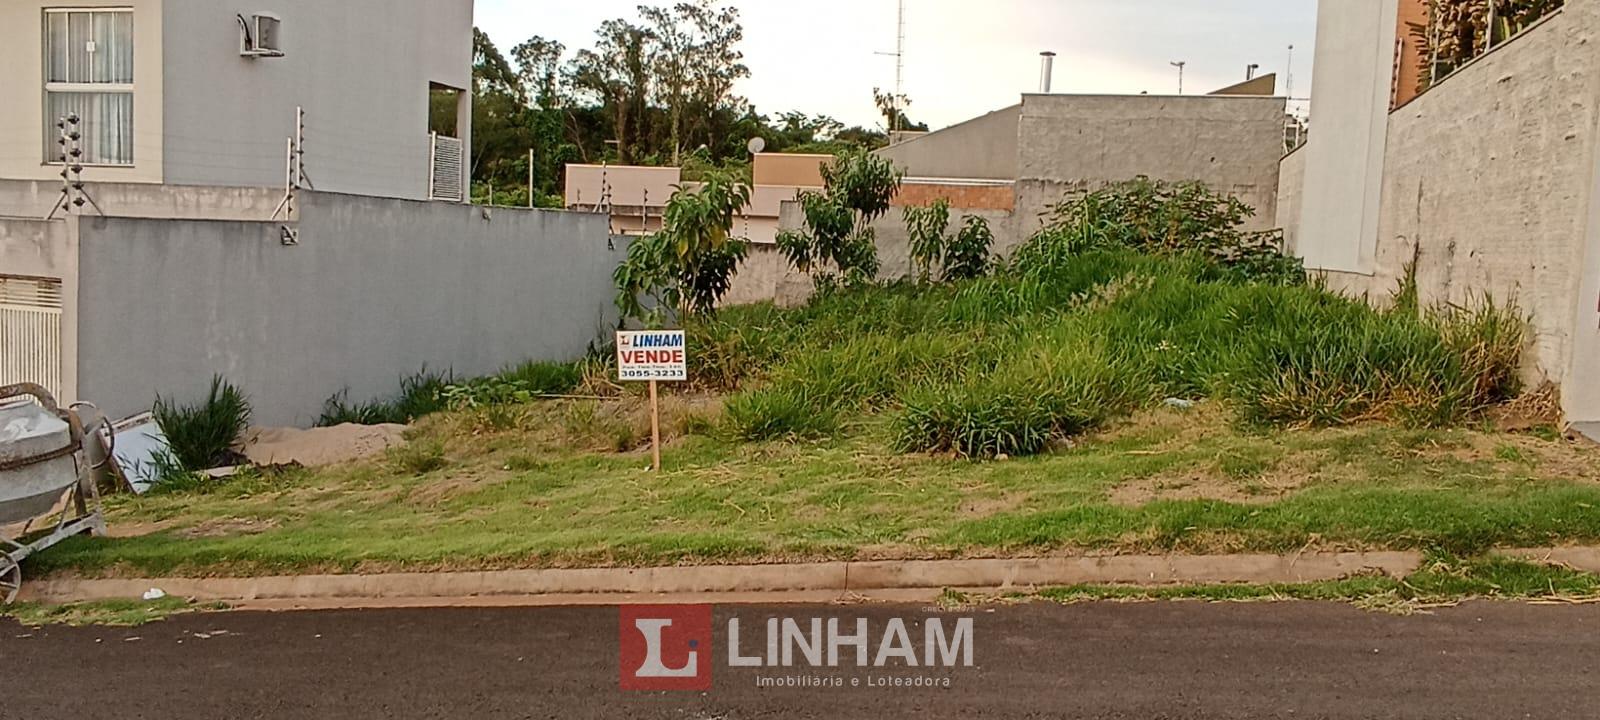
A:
[1160,218]
[1002,364]
[1322,362]
[772,413]
[421,394]
[1057,382]
[202,435]
[515,386]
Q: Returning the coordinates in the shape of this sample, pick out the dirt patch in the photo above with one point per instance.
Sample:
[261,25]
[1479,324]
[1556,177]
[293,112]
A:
[229,527]
[438,491]
[1540,407]
[317,447]
[139,529]
[1211,484]
[1170,428]
[977,507]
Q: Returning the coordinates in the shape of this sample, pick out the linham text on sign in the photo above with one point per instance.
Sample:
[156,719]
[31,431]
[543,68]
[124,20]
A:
[652,355]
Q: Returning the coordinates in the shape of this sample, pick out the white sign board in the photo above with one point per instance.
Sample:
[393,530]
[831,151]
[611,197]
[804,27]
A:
[652,355]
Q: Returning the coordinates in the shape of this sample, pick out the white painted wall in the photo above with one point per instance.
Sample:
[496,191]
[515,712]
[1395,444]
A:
[1349,121]
[360,68]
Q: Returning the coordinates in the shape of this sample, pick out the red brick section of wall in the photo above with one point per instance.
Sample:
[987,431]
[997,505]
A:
[961,197]
[1410,63]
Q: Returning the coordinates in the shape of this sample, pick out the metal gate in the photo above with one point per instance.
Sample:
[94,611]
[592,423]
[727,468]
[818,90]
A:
[30,332]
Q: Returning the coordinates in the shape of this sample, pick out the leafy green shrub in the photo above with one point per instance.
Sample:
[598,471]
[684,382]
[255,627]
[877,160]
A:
[1160,218]
[735,345]
[962,257]
[202,435]
[967,256]
[837,247]
[925,233]
[771,413]
[1066,381]
[1327,362]
[688,266]
[421,394]
[515,386]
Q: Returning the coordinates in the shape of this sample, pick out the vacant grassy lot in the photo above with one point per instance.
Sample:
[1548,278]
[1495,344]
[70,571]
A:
[544,485]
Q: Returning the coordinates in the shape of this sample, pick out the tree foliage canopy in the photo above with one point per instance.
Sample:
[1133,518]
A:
[655,89]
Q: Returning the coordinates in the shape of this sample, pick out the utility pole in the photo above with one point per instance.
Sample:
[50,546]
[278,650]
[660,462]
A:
[899,55]
[1179,65]
[1289,72]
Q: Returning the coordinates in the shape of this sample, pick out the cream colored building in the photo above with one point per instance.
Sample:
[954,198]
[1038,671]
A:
[635,195]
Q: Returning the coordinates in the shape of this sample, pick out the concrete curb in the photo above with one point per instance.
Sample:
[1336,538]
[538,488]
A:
[809,579]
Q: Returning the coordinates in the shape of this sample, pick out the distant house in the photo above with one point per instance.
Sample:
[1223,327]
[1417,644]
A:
[273,192]
[635,195]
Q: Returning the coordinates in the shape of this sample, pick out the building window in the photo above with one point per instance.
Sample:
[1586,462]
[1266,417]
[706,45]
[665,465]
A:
[89,73]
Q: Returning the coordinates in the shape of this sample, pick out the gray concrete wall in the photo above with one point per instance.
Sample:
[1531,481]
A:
[1076,142]
[35,198]
[1487,183]
[360,68]
[984,147]
[767,276]
[376,289]
[1291,184]
[1355,59]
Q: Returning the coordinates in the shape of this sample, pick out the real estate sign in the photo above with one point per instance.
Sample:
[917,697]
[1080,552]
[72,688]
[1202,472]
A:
[652,355]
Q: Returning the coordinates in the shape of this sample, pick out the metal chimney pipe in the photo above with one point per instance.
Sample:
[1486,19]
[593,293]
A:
[1047,62]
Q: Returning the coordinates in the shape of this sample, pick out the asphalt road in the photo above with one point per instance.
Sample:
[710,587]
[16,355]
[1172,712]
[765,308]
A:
[1175,660]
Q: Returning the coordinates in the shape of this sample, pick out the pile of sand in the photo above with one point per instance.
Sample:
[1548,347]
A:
[268,447]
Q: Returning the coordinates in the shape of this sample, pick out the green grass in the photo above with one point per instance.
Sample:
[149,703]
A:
[110,613]
[1006,364]
[552,491]
[1442,579]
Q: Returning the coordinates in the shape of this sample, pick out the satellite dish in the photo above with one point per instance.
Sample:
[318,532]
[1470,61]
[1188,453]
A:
[756,145]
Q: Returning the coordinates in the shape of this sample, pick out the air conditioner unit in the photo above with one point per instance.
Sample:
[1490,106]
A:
[260,36]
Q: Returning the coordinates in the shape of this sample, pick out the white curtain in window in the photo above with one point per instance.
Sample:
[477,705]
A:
[105,120]
[112,59]
[90,48]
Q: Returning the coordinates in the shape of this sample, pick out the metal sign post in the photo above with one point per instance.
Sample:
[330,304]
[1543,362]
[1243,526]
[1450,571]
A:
[652,356]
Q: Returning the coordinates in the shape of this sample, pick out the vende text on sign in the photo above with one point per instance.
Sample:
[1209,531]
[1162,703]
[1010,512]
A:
[652,355]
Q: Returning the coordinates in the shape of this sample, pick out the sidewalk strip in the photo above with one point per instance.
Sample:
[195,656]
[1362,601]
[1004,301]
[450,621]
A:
[838,578]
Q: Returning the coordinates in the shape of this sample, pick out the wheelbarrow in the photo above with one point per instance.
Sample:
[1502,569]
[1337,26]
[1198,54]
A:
[47,479]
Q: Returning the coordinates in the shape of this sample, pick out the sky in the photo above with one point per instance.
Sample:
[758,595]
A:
[964,58]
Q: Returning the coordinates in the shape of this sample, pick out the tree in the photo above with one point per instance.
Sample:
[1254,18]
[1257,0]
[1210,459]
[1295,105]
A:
[925,228]
[491,73]
[539,70]
[967,256]
[696,62]
[961,257]
[499,123]
[893,109]
[616,74]
[837,246]
[688,266]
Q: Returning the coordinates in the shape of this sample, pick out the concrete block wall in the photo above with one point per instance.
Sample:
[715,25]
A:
[1068,143]
[375,290]
[1291,189]
[1486,182]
